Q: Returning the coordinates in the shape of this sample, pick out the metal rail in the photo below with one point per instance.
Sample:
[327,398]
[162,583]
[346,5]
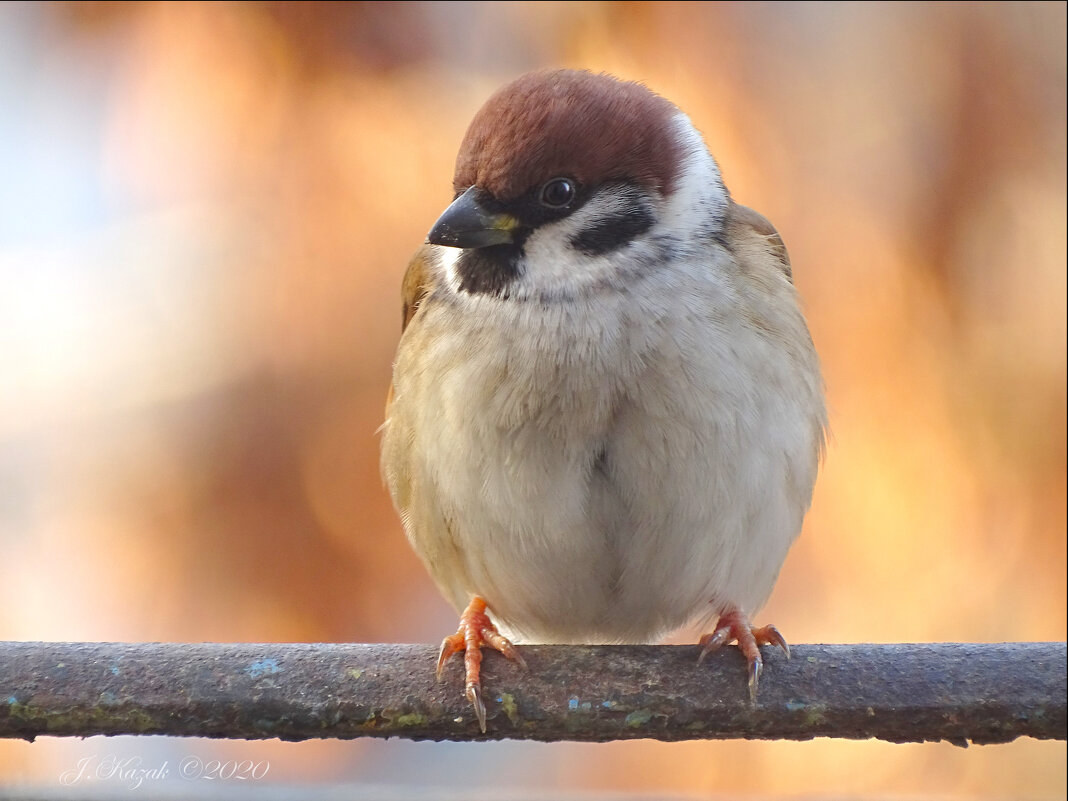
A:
[902,693]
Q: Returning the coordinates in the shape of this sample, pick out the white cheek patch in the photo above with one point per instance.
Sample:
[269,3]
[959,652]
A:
[447,259]
[554,265]
[699,192]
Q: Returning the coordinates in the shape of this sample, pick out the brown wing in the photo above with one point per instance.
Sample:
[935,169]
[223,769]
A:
[416,284]
[747,223]
[414,287]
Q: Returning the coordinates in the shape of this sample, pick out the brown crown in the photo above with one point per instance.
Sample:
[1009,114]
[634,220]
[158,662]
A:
[592,128]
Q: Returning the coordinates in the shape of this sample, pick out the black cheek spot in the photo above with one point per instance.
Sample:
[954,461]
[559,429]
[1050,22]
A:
[612,233]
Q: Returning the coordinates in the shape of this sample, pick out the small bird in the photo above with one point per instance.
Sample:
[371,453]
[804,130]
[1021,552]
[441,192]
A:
[606,412]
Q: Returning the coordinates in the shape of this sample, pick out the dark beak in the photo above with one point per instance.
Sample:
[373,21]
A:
[467,224]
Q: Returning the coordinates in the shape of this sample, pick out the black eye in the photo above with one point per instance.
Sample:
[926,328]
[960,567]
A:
[558,193]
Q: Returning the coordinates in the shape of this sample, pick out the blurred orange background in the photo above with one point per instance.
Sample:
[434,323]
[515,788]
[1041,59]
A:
[205,213]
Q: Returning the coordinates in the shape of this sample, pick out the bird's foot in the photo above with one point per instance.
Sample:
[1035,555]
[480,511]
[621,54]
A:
[733,625]
[476,630]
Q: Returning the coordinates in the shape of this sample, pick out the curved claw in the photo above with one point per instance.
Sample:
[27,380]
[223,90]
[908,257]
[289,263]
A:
[756,667]
[711,643]
[449,646]
[496,640]
[769,635]
[474,695]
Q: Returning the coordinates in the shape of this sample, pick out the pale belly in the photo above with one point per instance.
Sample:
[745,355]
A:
[602,492]
[617,530]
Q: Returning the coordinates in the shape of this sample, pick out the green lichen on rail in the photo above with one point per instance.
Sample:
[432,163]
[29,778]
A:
[902,693]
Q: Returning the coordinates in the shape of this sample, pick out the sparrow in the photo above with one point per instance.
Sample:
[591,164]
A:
[606,412]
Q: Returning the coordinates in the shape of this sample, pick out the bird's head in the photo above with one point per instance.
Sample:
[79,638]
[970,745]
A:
[566,180]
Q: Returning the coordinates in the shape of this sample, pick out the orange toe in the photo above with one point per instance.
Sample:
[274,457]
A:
[476,630]
[735,626]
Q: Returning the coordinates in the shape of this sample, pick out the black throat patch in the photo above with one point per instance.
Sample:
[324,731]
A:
[490,270]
